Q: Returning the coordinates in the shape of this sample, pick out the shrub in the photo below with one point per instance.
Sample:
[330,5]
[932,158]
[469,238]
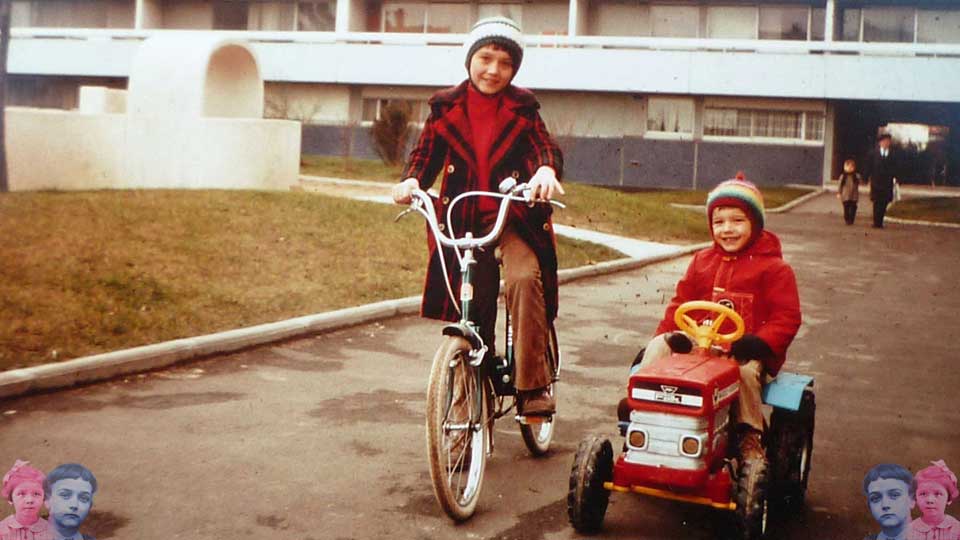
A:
[390,132]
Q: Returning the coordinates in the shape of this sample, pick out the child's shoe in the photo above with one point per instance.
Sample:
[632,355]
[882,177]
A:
[537,403]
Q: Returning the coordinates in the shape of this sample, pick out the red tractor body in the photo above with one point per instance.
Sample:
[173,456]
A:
[676,440]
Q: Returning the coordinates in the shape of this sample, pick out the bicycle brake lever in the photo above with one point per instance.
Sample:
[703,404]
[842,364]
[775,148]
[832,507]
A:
[402,214]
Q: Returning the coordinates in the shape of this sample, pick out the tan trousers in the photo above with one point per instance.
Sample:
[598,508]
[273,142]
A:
[748,409]
[528,311]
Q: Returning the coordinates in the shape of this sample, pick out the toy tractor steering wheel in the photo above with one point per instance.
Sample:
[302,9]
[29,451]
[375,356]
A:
[706,335]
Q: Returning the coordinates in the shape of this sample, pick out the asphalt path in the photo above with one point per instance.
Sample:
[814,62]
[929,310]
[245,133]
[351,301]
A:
[322,437]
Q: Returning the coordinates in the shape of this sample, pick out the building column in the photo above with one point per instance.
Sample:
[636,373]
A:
[574,18]
[342,25]
[138,15]
[829,146]
[829,25]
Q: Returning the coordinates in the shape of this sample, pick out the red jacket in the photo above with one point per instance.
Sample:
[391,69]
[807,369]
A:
[758,282]
[521,145]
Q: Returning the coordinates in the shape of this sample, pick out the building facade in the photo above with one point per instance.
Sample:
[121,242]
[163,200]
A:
[642,94]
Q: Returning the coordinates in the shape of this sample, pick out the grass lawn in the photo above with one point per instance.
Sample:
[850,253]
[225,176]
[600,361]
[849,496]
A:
[89,272]
[941,209]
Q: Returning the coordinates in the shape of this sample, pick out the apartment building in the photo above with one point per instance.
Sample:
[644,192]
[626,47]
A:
[642,94]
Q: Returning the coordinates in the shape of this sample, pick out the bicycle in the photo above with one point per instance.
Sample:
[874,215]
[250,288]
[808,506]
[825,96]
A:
[469,389]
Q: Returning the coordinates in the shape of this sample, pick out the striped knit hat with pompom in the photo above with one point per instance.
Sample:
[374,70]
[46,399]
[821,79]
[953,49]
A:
[500,31]
[738,193]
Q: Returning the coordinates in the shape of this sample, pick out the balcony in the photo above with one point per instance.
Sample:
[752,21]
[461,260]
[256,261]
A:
[725,67]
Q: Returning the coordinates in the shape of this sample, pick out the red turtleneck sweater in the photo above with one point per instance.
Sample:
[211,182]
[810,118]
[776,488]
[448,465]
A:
[482,113]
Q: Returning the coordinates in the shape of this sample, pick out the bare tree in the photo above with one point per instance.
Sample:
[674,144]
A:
[4,44]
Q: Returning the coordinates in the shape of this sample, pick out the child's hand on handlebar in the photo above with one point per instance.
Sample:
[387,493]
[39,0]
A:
[403,191]
[544,184]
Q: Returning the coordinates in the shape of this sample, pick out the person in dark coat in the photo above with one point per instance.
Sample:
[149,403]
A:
[478,133]
[882,169]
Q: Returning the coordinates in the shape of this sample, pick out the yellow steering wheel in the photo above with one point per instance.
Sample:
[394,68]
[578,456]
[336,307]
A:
[706,335]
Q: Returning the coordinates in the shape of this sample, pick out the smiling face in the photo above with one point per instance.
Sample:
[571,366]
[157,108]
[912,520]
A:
[932,500]
[731,228]
[890,502]
[491,69]
[27,500]
[70,502]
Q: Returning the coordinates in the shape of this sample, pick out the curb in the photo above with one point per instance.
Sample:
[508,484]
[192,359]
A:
[88,369]
[904,221]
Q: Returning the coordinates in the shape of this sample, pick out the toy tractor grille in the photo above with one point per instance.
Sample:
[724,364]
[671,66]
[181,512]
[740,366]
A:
[668,394]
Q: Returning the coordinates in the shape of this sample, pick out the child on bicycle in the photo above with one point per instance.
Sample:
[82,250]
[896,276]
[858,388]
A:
[478,133]
[744,270]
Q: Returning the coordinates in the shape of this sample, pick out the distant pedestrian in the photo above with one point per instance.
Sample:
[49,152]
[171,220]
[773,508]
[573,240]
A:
[849,191]
[882,168]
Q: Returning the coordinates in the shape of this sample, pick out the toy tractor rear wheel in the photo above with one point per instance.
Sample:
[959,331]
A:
[789,450]
[752,509]
[587,499]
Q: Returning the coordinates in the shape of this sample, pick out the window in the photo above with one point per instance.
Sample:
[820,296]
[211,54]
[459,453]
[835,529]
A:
[818,20]
[851,25]
[513,11]
[270,16]
[938,26]
[448,18]
[426,17]
[777,124]
[675,21]
[404,17]
[229,15]
[419,110]
[316,16]
[888,24]
[670,115]
[732,22]
[728,122]
[813,126]
[784,22]
[545,18]
[763,124]
[619,18]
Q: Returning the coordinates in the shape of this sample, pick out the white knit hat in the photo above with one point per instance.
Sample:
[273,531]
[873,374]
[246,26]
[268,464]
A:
[501,31]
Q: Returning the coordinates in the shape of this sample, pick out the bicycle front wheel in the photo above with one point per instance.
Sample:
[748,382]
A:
[456,429]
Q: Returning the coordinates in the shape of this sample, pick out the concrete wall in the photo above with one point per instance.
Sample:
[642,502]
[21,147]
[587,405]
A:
[188,15]
[51,149]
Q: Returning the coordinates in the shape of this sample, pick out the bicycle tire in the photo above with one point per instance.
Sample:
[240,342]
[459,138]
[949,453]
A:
[537,437]
[456,484]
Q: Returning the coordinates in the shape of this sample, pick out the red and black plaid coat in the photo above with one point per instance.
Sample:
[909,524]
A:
[521,146]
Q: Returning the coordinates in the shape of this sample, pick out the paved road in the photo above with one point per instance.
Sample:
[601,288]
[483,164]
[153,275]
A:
[322,437]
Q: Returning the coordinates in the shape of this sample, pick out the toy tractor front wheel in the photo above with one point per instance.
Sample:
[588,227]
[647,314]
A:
[587,499]
[752,508]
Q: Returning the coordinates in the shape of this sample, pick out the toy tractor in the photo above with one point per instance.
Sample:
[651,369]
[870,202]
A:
[679,441]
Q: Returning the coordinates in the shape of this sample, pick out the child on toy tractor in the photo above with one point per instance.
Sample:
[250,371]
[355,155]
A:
[745,271]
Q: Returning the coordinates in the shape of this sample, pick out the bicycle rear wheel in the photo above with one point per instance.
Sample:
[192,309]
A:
[538,435]
[456,429]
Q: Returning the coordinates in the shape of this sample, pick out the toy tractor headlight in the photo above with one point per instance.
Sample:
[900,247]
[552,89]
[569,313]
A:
[637,439]
[691,446]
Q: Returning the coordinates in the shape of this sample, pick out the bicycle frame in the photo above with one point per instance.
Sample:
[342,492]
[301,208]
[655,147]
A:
[466,327]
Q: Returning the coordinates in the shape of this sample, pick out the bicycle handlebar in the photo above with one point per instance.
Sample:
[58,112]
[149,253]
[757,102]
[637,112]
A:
[512,192]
